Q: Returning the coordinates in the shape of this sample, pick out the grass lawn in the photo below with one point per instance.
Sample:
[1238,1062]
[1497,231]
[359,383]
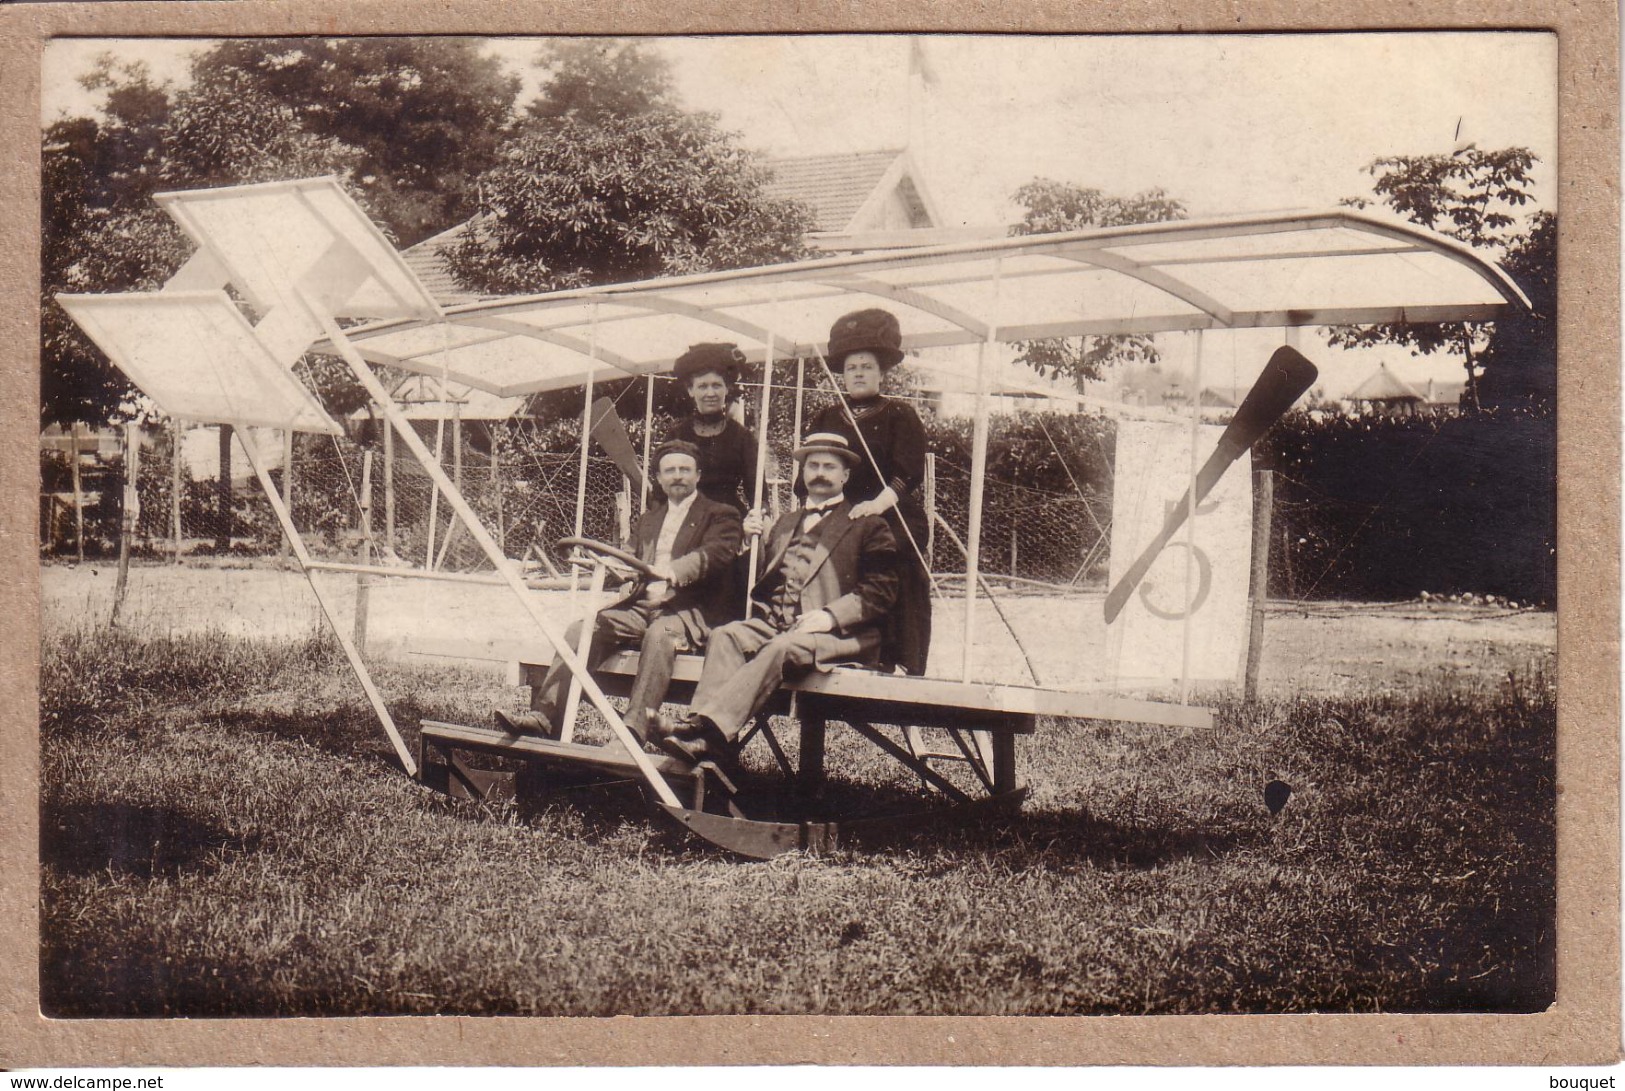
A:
[224,833]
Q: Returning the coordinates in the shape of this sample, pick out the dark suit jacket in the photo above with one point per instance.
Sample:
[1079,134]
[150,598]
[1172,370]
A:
[701,562]
[854,573]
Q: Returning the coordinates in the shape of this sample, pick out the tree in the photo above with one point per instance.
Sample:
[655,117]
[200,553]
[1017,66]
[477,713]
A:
[406,124]
[1475,196]
[423,117]
[1060,206]
[1520,361]
[574,203]
[590,79]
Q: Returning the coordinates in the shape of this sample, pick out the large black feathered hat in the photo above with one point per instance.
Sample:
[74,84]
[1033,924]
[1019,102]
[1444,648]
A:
[873,330]
[721,357]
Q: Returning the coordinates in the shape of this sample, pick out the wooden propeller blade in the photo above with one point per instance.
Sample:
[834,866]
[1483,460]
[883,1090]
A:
[611,435]
[1283,381]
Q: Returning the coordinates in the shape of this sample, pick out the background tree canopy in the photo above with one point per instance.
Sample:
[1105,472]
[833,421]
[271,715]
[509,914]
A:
[1061,206]
[607,180]
[576,202]
[1477,197]
[601,177]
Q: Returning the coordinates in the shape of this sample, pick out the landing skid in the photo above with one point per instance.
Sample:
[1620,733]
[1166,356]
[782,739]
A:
[442,747]
[760,840]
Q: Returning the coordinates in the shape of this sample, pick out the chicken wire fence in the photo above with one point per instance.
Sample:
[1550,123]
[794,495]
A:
[1028,535]
[526,495]
[1329,538]
[352,502]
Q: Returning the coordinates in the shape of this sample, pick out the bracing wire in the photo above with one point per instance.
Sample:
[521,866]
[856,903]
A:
[970,588]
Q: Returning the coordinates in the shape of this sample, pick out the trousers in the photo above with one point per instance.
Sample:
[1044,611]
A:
[658,636]
[746,660]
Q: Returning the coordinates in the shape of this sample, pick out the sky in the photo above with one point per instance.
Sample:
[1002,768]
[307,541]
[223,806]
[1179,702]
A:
[1230,123]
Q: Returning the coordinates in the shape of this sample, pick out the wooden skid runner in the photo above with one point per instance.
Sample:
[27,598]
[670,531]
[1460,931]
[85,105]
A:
[457,778]
[758,840]
[607,759]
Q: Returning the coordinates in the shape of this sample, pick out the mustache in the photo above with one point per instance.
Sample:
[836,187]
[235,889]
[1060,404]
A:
[820,481]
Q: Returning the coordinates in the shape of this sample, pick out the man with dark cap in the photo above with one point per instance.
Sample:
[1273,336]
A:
[828,582]
[691,542]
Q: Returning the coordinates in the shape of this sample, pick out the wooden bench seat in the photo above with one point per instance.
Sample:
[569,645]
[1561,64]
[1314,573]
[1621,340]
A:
[908,699]
[993,715]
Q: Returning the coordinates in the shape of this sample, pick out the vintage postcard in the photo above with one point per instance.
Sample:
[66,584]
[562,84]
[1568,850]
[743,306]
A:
[807,525]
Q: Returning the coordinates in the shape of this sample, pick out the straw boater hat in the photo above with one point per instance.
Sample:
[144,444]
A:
[721,357]
[826,443]
[873,330]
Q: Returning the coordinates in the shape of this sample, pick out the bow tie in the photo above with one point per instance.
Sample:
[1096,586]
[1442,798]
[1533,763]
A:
[821,509]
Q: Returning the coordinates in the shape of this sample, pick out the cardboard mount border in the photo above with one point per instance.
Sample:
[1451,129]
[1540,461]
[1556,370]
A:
[1582,1028]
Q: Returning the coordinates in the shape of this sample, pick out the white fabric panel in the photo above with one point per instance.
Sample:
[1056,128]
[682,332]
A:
[1200,578]
[271,238]
[511,365]
[413,340]
[1268,270]
[196,356]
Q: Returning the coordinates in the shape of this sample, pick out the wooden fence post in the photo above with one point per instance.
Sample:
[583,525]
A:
[496,488]
[930,510]
[222,532]
[1263,508]
[363,582]
[389,488]
[287,485]
[78,491]
[127,517]
[175,485]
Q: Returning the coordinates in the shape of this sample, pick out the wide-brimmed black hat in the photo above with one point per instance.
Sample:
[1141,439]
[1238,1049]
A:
[721,357]
[828,443]
[873,330]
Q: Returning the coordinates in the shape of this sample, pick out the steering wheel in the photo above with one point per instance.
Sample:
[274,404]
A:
[604,549]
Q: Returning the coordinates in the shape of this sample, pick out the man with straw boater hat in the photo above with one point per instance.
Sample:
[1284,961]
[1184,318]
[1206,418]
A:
[828,582]
[889,478]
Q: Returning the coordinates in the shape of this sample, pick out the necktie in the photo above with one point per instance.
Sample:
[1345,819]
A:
[813,515]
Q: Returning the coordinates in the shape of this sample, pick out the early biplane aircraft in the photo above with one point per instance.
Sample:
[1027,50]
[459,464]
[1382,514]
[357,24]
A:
[319,277]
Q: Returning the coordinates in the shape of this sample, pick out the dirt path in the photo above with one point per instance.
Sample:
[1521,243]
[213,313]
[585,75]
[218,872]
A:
[1310,648]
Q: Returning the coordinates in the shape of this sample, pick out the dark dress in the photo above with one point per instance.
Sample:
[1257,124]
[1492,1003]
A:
[727,462]
[896,438]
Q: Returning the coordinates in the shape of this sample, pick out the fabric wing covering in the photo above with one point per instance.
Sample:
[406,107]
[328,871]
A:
[270,237]
[1284,269]
[195,355]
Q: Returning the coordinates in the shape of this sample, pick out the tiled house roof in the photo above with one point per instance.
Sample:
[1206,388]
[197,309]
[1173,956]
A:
[835,186]
[1384,386]
[429,266]
[848,193]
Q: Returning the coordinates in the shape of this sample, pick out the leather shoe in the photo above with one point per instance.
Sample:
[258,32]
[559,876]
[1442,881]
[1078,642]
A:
[692,751]
[703,742]
[683,725]
[525,723]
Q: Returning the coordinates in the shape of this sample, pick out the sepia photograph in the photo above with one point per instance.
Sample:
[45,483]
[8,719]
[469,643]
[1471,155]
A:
[805,524]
